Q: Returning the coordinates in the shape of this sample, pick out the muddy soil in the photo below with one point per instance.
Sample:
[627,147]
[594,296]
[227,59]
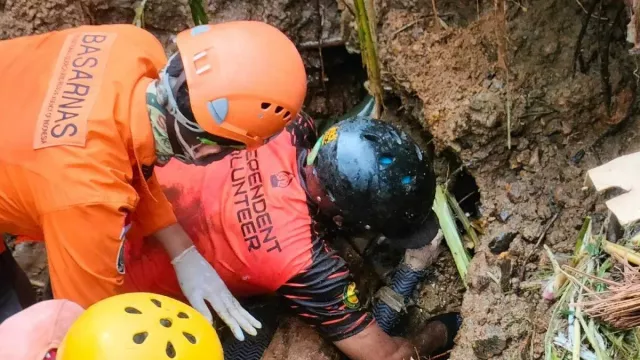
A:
[451,81]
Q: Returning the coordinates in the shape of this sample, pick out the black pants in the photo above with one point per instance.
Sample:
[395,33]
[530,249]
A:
[9,304]
[15,289]
[264,308]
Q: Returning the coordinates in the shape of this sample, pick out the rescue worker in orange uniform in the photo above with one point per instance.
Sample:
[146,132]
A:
[86,115]
[262,218]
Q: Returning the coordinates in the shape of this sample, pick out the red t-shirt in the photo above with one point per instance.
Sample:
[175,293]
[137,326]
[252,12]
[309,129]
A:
[243,210]
[249,216]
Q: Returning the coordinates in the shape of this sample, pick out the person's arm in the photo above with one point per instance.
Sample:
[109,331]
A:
[373,343]
[408,274]
[198,280]
[325,297]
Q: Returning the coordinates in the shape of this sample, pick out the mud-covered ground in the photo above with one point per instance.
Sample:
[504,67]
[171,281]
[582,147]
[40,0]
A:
[558,126]
[445,85]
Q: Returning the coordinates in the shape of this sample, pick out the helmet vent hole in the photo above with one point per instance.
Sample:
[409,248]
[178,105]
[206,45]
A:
[190,338]
[279,109]
[170,350]
[132,310]
[182,315]
[265,105]
[287,115]
[139,338]
[386,160]
[371,137]
[156,303]
[166,323]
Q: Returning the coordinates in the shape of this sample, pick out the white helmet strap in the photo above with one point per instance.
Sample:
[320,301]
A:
[171,85]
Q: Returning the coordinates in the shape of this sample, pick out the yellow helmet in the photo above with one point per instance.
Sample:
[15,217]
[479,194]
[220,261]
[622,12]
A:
[140,326]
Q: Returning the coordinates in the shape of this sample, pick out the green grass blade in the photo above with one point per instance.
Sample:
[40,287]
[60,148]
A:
[585,231]
[463,219]
[451,235]
[138,19]
[198,13]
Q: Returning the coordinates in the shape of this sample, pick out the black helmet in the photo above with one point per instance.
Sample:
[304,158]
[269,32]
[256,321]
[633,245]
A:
[373,175]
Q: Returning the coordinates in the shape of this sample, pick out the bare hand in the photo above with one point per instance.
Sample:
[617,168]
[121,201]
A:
[421,258]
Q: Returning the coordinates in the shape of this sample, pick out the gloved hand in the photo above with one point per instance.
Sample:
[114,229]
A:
[199,282]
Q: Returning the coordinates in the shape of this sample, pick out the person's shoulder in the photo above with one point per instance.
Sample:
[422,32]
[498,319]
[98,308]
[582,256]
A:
[129,41]
[303,131]
[127,31]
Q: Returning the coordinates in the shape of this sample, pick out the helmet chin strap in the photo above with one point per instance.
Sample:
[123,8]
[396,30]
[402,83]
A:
[186,154]
[176,122]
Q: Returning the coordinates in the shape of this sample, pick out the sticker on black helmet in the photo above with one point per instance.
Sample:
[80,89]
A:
[330,135]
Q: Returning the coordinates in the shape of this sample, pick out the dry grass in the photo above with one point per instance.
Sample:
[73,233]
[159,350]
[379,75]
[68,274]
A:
[619,306]
[596,315]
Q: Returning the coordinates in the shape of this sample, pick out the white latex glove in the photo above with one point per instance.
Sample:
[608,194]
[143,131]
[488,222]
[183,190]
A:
[199,281]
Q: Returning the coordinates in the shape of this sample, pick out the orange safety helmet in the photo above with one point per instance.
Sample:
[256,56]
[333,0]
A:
[246,80]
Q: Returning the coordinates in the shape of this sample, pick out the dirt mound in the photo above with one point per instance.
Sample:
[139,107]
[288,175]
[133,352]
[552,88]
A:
[557,120]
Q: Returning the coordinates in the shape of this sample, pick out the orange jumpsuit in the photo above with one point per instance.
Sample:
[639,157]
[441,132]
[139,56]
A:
[77,150]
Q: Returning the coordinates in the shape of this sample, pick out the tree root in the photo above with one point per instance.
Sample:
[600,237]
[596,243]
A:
[577,56]
[605,44]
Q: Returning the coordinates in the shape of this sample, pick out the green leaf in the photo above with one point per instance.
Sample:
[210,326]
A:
[198,13]
[585,231]
[463,219]
[450,232]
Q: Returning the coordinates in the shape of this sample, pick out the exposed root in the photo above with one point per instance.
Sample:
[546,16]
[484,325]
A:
[605,43]
[612,130]
[323,77]
[322,43]
[586,11]
[501,34]
[440,16]
[436,19]
[577,56]
[439,356]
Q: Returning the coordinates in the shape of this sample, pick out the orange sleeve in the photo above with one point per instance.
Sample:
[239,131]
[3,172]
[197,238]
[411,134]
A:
[152,215]
[84,248]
